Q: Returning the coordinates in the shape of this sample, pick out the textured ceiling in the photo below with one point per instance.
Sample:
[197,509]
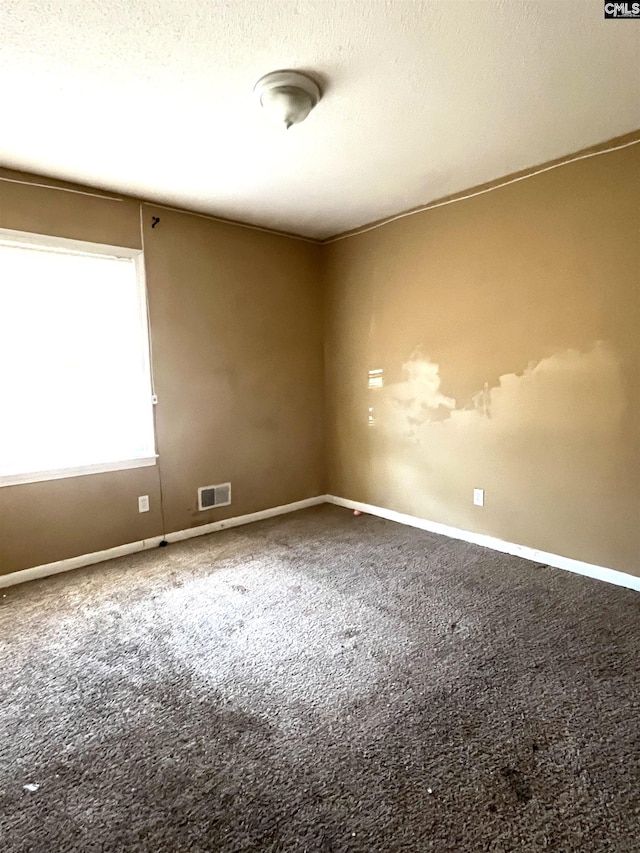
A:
[422,99]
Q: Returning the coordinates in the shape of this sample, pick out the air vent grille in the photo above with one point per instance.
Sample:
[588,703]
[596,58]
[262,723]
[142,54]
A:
[214,496]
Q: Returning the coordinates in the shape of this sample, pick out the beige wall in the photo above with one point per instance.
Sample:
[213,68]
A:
[236,324]
[508,330]
[506,327]
[237,352]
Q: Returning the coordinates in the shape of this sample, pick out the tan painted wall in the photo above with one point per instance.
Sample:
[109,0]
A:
[237,351]
[506,327]
[236,322]
[508,330]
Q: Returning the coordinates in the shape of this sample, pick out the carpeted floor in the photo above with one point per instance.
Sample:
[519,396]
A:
[319,682]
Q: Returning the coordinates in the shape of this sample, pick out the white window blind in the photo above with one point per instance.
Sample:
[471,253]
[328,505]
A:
[75,387]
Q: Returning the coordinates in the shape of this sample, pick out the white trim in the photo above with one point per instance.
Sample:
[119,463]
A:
[291,236]
[567,563]
[77,562]
[79,471]
[62,189]
[342,235]
[144,544]
[363,229]
[144,324]
[35,240]
[67,246]
[179,535]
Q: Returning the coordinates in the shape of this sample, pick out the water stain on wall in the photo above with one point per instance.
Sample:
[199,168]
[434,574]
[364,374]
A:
[418,400]
[526,302]
[551,392]
[543,443]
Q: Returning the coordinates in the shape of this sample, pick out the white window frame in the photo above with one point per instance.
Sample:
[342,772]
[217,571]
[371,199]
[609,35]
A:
[84,247]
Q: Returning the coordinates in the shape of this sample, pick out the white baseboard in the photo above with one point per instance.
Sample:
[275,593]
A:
[179,535]
[132,547]
[567,563]
[77,562]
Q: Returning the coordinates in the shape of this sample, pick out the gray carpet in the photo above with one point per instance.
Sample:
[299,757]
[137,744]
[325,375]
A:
[319,682]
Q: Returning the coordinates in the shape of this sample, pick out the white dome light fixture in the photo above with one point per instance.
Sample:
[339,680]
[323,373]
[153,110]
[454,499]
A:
[288,95]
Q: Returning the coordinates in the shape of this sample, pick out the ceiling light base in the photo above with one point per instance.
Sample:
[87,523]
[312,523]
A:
[288,95]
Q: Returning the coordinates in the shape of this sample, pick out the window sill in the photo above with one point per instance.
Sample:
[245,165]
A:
[81,471]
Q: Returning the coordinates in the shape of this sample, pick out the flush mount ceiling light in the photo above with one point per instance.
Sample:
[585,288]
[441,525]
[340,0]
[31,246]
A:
[289,96]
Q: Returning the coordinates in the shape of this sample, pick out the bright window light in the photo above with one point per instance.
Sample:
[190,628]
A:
[75,386]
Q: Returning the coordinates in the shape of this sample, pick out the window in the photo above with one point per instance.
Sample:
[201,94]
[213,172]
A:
[75,382]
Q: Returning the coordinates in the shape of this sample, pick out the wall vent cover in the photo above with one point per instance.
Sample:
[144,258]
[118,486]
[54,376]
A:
[213,496]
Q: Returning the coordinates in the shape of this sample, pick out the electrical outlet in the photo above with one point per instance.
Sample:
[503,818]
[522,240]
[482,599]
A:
[478,497]
[143,503]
